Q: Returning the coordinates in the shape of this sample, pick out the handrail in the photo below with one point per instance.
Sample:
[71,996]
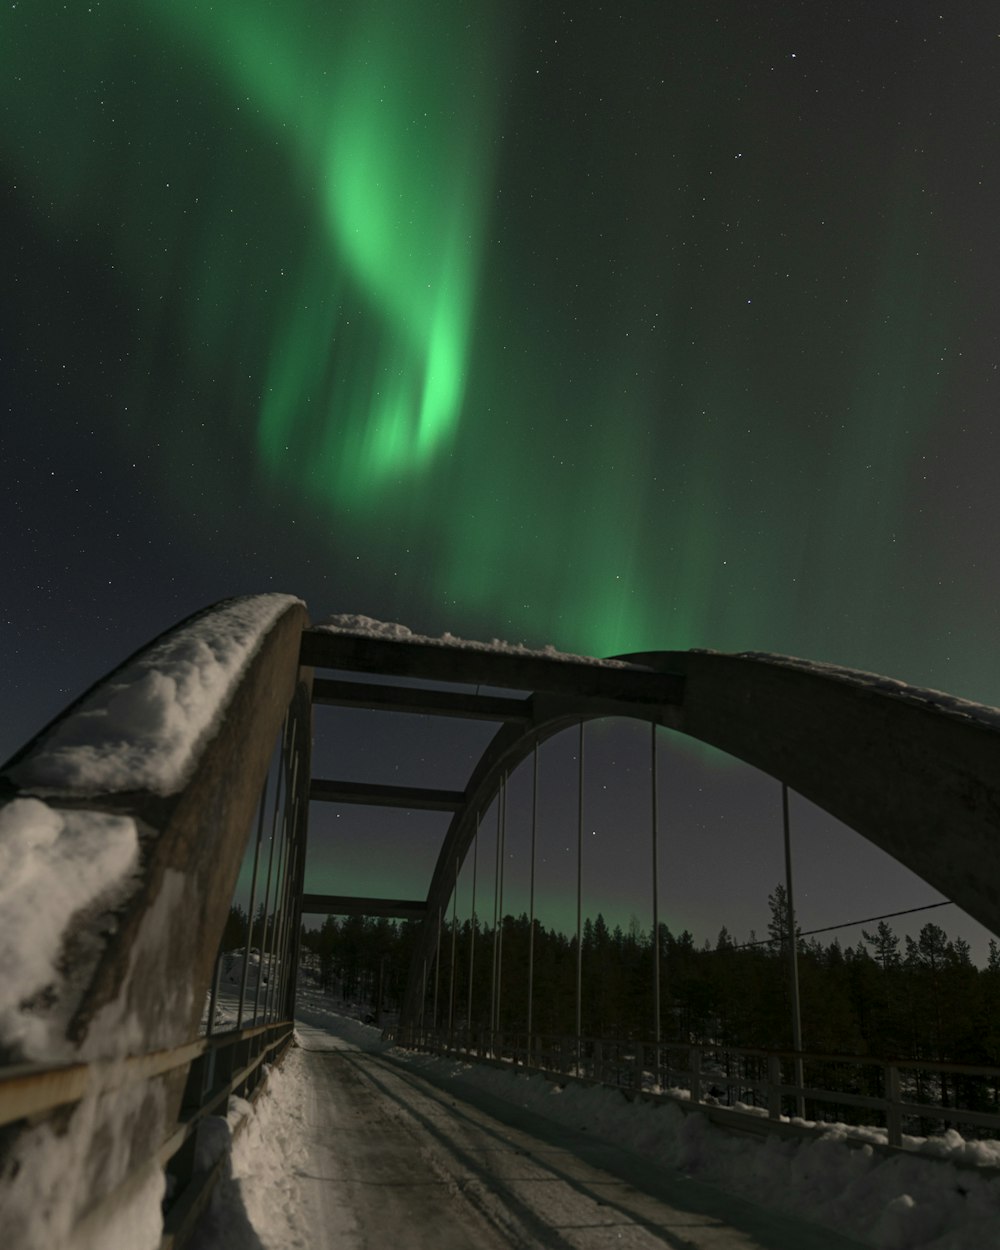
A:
[30,1089]
[626,1065]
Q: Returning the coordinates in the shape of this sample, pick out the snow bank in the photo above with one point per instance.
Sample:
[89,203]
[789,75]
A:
[895,1202]
[60,872]
[936,699]
[366,627]
[257,1201]
[141,729]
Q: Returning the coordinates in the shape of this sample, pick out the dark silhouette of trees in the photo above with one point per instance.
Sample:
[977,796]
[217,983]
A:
[922,999]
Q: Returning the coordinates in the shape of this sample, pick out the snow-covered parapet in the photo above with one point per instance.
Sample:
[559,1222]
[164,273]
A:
[388,631]
[142,728]
[935,700]
[122,828]
[67,875]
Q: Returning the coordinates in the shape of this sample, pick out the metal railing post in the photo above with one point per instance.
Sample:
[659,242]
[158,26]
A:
[893,1115]
[773,1087]
[694,1062]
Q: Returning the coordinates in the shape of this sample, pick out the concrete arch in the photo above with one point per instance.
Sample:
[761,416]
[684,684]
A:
[914,772]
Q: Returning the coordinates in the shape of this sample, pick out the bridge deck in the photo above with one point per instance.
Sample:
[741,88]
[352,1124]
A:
[385,1157]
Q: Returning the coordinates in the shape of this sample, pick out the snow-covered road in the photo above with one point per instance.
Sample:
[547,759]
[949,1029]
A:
[367,1152]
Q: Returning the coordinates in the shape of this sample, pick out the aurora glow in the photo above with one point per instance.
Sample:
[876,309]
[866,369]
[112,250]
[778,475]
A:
[611,334]
[663,327]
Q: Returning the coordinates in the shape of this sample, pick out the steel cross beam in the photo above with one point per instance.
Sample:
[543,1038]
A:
[372,697]
[416,798]
[616,681]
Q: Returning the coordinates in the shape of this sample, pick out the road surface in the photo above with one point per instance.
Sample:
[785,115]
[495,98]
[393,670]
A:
[382,1158]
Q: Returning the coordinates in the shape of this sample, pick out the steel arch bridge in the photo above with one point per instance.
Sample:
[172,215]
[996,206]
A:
[914,772]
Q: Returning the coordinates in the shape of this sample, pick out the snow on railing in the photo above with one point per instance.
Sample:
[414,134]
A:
[122,830]
[751,1085]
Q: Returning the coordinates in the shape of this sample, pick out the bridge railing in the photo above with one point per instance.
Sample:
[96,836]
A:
[109,1063]
[904,1096]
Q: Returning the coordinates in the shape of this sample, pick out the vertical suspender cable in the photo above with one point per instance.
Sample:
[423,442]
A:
[531,897]
[501,857]
[656,899]
[253,899]
[454,938]
[437,970]
[278,800]
[579,903]
[493,973]
[793,955]
[472,925]
[281,887]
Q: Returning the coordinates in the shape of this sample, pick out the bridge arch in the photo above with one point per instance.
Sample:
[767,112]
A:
[915,772]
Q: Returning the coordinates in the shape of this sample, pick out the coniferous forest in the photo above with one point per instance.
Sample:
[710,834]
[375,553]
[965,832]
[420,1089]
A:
[916,998]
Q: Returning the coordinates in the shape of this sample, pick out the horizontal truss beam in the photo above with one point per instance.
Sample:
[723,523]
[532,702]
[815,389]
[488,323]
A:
[416,798]
[350,905]
[429,702]
[506,670]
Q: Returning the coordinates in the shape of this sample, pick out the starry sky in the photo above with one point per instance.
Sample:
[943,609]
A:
[612,327]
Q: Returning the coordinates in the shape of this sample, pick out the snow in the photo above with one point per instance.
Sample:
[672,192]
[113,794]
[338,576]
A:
[141,729]
[50,1172]
[936,699]
[367,627]
[60,873]
[899,1201]
[886,1200]
[47,1182]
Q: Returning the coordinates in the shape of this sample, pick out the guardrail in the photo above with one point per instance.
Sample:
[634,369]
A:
[103,1076]
[757,1083]
[217,1066]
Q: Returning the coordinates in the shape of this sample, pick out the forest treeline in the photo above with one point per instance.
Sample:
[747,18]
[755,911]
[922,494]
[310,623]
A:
[920,998]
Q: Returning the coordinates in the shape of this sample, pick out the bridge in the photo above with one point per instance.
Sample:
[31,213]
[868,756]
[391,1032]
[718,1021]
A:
[124,825]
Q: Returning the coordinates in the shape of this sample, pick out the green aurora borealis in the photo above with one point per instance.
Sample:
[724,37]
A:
[603,331]
[662,327]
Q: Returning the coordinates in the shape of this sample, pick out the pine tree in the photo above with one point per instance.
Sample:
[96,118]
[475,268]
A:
[777,926]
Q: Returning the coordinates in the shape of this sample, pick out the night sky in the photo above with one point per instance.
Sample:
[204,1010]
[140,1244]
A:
[617,328]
